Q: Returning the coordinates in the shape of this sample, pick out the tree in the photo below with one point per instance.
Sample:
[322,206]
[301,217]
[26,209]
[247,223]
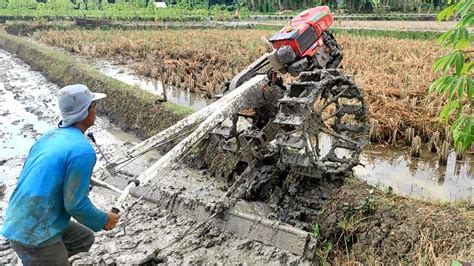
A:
[456,68]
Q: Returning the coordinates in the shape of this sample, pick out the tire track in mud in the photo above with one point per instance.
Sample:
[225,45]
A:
[28,109]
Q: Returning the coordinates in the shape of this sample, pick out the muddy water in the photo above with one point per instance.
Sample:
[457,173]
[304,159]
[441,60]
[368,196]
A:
[418,177]
[173,95]
[28,109]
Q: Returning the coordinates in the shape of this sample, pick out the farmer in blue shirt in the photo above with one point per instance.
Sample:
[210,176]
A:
[54,185]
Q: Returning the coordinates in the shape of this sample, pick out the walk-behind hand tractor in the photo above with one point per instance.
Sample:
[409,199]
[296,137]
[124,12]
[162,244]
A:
[292,109]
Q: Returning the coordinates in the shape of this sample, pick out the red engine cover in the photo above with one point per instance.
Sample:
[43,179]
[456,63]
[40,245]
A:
[304,32]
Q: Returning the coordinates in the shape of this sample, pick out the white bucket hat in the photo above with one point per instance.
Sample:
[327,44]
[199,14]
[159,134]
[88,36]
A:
[74,101]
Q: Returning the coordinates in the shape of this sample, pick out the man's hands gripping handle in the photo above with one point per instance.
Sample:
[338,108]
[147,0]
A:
[113,219]
[114,212]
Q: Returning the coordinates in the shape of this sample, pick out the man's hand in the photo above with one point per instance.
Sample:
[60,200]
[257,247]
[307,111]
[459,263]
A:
[112,221]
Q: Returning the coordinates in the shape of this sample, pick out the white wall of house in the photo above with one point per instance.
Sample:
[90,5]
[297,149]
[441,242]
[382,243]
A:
[160,4]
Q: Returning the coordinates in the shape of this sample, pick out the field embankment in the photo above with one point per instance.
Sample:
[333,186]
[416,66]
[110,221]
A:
[129,107]
[396,25]
[362,224]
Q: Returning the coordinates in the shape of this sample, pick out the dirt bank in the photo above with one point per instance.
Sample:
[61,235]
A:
[355,222]
[129,107]
[364,224]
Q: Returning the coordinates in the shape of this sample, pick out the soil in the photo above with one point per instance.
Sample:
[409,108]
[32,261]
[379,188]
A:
[353,221]
[29,110]
[380,227]
[149,229]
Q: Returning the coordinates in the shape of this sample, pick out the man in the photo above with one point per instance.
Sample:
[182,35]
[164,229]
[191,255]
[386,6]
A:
[54,185]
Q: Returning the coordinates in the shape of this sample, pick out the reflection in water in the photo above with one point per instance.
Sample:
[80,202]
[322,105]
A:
[174,95]
[420,177]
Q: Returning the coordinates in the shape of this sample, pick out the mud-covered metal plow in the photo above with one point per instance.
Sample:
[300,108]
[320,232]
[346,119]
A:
[314,126]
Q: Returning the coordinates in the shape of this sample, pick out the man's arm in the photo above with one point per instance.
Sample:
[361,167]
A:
[76,192]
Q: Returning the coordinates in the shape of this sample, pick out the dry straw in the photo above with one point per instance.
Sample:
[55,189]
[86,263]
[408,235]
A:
[394,73]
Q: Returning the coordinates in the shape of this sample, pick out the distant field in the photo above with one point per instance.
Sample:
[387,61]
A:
[396,25]
[382,25]
[394,73]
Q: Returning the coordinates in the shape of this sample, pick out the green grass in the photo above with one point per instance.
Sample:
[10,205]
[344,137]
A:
[177,109]
[124,11]
[412,35]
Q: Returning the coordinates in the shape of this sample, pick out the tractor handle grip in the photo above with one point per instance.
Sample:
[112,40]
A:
[91,136]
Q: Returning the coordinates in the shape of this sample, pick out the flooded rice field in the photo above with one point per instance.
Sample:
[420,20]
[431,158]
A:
[28,109]
[170,93]
[424,178]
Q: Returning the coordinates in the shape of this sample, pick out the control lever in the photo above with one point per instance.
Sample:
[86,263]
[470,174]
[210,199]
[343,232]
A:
[90,135]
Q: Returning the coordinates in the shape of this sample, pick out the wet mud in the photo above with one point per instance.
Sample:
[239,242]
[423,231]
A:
[130,108]
[354,221]
[29,110]
[147,230]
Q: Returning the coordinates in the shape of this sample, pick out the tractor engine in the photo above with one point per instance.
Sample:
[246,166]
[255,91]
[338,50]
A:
[306,43]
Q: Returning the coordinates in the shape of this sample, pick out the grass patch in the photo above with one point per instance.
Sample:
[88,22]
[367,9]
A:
[177,109]
[397,34]
[411,35]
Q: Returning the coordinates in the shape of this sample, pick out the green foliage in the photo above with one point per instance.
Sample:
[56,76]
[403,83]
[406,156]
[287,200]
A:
[456,69]
[3,4]
[21,4]
[366,206]
[59,5]
[177,9]
[315,229]
[324,252]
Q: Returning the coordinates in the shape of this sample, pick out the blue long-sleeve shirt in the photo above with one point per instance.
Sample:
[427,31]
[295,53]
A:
[52,187]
